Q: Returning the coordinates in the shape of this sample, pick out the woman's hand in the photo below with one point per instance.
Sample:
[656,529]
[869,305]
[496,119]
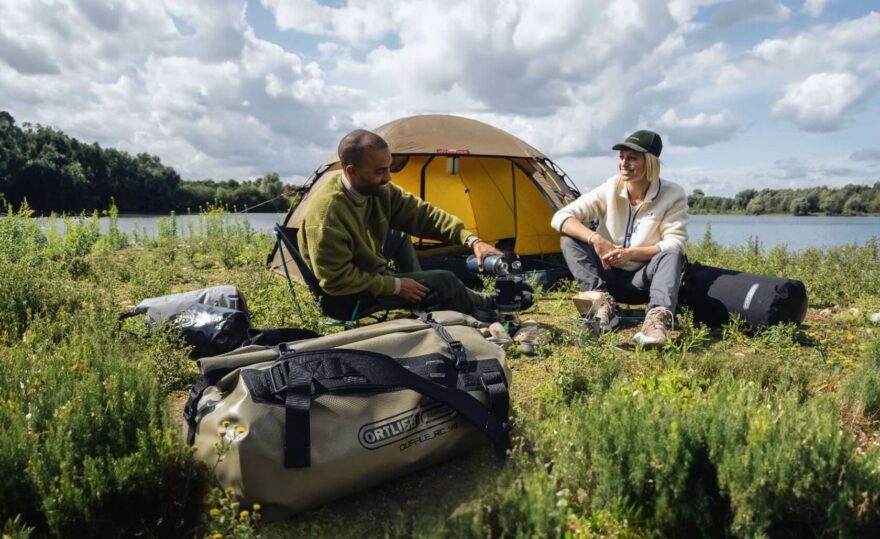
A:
[616,257]
[604,248]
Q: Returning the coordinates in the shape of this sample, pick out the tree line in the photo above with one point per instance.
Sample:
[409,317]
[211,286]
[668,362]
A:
[847,200]
[58,173]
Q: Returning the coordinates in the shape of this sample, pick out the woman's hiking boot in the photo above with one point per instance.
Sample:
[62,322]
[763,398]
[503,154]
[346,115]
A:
[606,313]
[655,329]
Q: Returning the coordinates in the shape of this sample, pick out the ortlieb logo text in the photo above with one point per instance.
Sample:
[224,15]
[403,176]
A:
[400,426]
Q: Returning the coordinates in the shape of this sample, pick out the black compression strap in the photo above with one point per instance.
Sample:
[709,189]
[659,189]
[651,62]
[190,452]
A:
[376,370]
[499,398]
[297,428]
[459,354]
[190,410]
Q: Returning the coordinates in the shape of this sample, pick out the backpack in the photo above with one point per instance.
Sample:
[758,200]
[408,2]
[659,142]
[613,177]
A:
[312,420]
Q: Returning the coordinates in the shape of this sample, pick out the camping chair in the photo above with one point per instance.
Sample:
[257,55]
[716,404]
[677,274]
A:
[287,237]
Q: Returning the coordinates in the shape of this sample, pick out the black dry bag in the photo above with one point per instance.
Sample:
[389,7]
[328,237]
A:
[713,294]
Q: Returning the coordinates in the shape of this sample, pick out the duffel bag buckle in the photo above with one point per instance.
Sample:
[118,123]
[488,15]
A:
[278,374]
[458,353]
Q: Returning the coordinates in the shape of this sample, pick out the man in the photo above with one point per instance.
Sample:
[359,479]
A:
[636,255]
[353,225]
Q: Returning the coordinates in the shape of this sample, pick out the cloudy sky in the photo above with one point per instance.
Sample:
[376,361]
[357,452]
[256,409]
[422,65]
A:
[746,93]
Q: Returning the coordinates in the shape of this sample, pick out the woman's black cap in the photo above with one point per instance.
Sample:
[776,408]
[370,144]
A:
[642,141]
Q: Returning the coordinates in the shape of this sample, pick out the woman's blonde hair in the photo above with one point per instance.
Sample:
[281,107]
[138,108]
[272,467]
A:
[652,167]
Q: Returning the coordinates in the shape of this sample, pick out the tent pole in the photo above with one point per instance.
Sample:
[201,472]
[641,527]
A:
[422,187]
[515,220]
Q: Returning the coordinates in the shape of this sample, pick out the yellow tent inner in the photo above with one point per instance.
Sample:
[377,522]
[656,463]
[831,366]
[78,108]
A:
[493,196]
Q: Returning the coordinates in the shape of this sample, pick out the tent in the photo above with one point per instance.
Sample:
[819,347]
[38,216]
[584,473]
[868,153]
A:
[503,189]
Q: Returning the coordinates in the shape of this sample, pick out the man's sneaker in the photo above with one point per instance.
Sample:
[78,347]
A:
[606,312]
[658,322]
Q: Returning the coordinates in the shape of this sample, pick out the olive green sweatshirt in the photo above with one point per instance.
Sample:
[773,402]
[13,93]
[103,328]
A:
[341,238]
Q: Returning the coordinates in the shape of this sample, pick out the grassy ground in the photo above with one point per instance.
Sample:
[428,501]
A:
[721,432]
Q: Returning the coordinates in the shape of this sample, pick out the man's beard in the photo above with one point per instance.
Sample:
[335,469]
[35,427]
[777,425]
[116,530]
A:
[374,190]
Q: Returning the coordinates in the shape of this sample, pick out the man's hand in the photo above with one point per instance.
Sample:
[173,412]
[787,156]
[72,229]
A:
[482,250]
[617,257]
[412,291]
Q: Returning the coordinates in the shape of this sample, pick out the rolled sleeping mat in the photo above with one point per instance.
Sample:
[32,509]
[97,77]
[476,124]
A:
[714,294]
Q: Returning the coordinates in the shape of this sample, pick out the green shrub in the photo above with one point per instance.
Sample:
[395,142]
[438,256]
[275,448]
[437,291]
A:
[788,467]
[860,392]
[70,250]
[589,370]
[679,458]
[29,283]
[524,503]
[99,455]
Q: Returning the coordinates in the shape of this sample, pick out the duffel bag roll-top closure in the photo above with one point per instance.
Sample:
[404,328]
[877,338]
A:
[299,376]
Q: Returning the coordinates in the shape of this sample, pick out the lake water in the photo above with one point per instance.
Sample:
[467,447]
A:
[731,230]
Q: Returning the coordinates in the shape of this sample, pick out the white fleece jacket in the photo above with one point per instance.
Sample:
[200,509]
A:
[660,220]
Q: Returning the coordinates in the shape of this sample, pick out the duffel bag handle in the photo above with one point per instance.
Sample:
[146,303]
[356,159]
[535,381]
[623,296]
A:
[375,369]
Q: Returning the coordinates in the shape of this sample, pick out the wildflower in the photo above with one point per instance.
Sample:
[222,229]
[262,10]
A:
[256,507]
[214,512]
[226,423]
[239,429]
[243,515]
[823,342]
[216,535]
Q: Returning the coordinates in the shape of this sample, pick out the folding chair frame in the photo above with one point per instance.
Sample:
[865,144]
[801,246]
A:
[286,236]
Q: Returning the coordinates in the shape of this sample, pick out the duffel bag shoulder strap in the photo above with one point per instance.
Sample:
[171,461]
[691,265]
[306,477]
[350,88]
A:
[295,375]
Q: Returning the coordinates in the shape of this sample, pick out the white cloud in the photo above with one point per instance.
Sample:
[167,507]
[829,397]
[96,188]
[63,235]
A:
[814,7]
[866,154]
[210,99]
[822,101]
[191,81]
[699,130]
[740,11]
[356,22]
[827,72]
[792,168]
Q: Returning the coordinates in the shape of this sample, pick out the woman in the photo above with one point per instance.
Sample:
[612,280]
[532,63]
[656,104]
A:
[636,254]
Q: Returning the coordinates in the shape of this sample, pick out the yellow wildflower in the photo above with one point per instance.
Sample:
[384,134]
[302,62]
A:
[214,512]
[239,429]
[226,423]
[216,535]
[256,507]
[823,342]
[244,514]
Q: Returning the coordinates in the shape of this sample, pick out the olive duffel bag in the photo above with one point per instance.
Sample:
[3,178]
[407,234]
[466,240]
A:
[312,420]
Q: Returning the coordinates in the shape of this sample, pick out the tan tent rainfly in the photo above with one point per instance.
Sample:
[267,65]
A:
[504,190]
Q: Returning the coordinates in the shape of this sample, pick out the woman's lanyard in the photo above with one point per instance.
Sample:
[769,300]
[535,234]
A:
[631,223]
